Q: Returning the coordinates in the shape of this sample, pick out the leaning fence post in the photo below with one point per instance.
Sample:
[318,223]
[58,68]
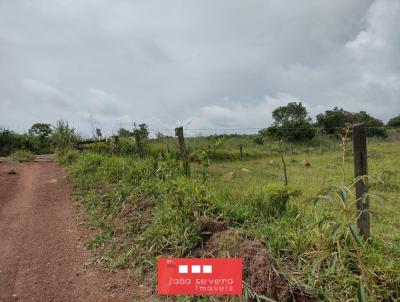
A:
[241,151]
[182,147]
[361,169]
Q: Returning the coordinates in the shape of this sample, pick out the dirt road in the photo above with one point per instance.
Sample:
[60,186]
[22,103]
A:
[42,255]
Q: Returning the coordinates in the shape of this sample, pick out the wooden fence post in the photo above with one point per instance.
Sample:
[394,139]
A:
[182,147]
[241,151]
[270,152]
[361,169]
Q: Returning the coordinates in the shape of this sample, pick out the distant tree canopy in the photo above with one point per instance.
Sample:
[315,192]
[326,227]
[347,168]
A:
[40,129]
[160,135]
[42,133]
[394,122]
[374,125]
[141,135]
[125,132]
[141,132]
[291,122]
[98,133]
[37,140]
[332,121]
[258,140]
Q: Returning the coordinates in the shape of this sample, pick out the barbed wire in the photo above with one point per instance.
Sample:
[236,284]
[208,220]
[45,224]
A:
[262,128]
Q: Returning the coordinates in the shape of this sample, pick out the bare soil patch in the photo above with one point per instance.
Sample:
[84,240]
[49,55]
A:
[42,239]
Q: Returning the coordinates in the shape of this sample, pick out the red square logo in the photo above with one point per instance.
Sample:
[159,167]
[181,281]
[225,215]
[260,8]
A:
[199,276]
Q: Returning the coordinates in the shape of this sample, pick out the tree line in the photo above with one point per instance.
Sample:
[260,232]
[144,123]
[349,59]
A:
[40,138]
[292,123]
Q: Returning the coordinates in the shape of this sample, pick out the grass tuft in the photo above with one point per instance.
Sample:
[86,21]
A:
[22,156]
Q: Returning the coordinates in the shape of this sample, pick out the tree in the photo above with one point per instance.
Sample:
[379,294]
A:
[141,131]
[98,133]
[40,129]
[332,121]
[290,113]
[374,125]
[258,140]
[40,134]
[160,135]
[291,122]
[141,134]
[394,122]
[122,132]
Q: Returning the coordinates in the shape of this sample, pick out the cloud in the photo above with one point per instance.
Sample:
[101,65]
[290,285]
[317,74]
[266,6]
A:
[45,94]
[251,116]
[212,62]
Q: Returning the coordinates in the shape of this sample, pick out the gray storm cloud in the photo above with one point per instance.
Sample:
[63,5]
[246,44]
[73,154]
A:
[209,64]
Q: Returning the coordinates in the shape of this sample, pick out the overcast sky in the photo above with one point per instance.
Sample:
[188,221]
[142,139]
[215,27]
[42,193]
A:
[200,63]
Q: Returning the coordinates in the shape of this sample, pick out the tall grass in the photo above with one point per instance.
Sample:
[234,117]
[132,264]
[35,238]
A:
[147,208]
[64,136]
[22,156]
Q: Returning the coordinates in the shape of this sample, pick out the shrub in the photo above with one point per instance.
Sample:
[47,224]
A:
[276,199]
[22,156]
[64,136]
[68,157]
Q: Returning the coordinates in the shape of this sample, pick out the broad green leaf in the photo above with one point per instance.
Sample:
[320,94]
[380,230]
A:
[332,263]
[321,222]
[317,262]
[379,198]
[246,294]
[322,197]
[343,193]
[354,232]
[335,229]
[361,292]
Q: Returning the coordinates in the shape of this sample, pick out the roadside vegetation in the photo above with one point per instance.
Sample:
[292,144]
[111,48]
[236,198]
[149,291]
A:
[22,156]
[146,208]
[299,242]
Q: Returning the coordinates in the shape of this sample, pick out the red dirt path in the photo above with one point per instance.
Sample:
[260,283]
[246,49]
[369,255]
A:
[42,255]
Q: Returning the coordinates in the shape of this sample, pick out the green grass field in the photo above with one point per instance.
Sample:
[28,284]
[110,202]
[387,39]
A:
[147,208]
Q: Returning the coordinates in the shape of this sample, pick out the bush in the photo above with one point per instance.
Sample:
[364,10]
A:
[275,199]
[22,156]
[68,157]
[64,136]
[11,141]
